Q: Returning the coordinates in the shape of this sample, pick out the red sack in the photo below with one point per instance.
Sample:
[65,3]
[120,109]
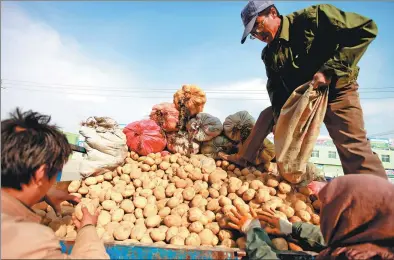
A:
[145,137]
[316,186]
[166,116]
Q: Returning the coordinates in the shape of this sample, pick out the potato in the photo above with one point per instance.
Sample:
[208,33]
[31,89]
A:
[117,215]
[150,210]
[196,227]
[217,176]
[116,196]
[146,239]
[196,174]
[157,235]
[193,240]
[172,220]
[206,237]
[183,232]
[228,243]
[111,226]
[188,193]
[127,205]
[164,212]
[173,202]
[223,191]
[262,196]
[74,186]
[214,227]
[180,210]
[108,176]
[104,218]
[256,184]
[140,222]
[137,232]
[287,210]
[272,191]
[161,203]
[108,204]
[304,215]
[140,202]
[280,244]
[198,201]
[127,224]
[213,205]
[171,232]
[159,193]
[122,233]
[83,190]
[149,161]
[284,187]
[271,181]
[299,205]
[100,231]
[248,195]
[194,214]
[177,240]
[244,187]
[223,201]
[90,181]
[138,213]
[317,205]
[315,219]
[164,165]
[209,215]
[129,218]
[295,219]
[213,193]
[145,168]
[170,189]
[241,242]
[225,234]
[78,209]
[152,221]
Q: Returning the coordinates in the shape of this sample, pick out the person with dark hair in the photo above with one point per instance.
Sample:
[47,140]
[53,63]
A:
[33,153]
[356,222]
[323,45]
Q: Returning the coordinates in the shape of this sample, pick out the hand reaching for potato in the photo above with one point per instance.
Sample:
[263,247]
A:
[87,218]
[265,218]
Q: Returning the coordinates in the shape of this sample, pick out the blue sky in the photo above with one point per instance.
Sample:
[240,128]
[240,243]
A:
[156,45]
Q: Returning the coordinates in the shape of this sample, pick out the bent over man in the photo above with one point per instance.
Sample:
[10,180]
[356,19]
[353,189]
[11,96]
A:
[321,44]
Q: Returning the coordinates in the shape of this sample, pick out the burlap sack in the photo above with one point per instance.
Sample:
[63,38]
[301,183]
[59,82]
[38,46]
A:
[297,130]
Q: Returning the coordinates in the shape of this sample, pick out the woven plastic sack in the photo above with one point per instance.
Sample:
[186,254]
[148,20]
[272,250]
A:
[105,145]
[189,101]
[166,116]
[218,144]
[180,142]
[297,130]
[238,126]
[145,137]
[204,127]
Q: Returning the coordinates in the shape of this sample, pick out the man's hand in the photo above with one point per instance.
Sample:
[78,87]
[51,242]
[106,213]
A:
[87,218]
[54,197]
[273,225]
[319,80]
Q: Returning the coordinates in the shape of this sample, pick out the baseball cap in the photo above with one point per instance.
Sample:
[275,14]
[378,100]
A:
[250,13]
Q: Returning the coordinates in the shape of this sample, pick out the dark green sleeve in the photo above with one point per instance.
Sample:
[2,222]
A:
[352,33]
[259,245]
[308,234]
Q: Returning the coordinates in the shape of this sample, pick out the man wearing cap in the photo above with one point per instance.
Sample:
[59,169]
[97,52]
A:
[321,44]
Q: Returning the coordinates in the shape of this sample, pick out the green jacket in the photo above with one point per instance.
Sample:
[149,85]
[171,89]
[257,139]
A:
[318,38]
[259,245]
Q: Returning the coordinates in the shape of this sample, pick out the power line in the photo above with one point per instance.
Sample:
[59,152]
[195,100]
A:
[54,91]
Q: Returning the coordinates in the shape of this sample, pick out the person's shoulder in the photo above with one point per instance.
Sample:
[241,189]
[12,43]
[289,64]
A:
[26,239]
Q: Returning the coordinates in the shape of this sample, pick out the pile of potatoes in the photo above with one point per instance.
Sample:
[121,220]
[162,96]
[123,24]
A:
[179,200]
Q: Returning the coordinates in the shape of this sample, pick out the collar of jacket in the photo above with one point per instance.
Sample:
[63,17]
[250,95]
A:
[284,32]
[13,207]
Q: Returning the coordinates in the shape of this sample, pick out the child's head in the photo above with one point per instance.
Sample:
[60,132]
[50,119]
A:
[32,153]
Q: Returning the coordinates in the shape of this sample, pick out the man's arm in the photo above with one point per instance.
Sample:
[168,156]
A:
[258,245]
[308,234]
[352,32]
